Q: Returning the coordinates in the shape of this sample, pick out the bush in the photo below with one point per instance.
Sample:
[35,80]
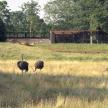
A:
[2,31]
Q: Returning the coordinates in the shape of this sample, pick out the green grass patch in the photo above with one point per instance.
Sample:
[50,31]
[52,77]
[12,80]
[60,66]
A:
[81,52]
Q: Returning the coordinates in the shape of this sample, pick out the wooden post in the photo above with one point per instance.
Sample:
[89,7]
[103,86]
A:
[91,39]
[52,37]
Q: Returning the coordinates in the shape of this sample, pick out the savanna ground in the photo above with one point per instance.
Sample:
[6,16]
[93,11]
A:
[74,76]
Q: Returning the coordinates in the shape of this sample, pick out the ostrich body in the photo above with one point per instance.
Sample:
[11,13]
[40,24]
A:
[39,64]
[23,65]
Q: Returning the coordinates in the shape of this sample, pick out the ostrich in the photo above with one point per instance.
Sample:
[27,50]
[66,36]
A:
[39,64]
[22,65]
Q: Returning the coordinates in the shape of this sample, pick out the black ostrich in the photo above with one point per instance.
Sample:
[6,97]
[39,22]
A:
[23,65]
[39,64]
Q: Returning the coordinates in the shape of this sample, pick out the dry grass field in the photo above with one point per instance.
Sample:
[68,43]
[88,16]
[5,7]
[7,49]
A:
[74,76]
[77,68]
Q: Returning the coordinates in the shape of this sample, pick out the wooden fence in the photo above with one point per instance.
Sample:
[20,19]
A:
[24,35]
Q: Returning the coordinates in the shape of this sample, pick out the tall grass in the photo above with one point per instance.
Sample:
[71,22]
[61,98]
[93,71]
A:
[53,91]
[59,85]
[74,76]
[82,68]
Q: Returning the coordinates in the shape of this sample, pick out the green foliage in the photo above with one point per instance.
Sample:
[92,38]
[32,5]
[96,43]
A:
[2,31]
[17,22]
[44,30]
[77,14]
[33,22]
[5,14]
[26,20]
[31,10]
[60,14]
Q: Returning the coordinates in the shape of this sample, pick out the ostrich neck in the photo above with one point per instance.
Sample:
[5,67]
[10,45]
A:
[22,57]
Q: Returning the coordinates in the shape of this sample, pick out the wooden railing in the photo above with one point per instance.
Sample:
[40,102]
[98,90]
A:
[24,35]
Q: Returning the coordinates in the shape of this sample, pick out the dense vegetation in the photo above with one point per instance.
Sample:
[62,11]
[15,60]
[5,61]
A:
[2,31]
[27,20]
[77,14]
[59,14]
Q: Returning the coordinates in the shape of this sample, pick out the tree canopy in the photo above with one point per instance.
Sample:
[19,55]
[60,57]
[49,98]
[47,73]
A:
[59,14]
[25,20]
[77,14]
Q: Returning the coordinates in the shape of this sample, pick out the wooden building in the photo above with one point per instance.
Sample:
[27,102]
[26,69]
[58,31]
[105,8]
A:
[81,36]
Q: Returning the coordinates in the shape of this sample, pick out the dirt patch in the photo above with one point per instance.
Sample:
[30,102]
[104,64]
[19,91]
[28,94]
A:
[80,52]
[30,41]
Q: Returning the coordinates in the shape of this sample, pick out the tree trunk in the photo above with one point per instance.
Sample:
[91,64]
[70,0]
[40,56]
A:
[91,39]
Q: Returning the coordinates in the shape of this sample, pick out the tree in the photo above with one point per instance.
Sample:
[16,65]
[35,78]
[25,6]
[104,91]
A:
[4,13]
[28,20]
[77,14]
[43,32]
[18,21]
[60,13]
[31,10]
[2,31]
